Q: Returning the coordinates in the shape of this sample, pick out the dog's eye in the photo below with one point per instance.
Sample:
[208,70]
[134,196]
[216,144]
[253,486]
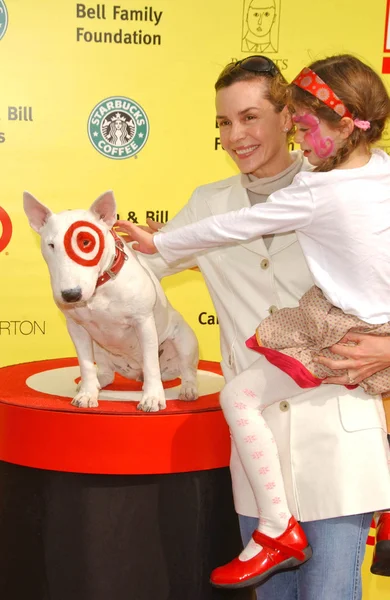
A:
[51,245]
[86,243]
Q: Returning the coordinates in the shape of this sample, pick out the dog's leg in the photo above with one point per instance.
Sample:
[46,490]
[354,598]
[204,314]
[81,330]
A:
[105,370]
[87,395]
[186,344]
[153,397]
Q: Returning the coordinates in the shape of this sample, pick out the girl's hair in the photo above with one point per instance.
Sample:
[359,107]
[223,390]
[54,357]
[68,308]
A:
[360,89]
[277,85]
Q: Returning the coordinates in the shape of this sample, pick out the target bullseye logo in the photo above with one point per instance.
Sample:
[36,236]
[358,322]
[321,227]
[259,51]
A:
[5,229]
[61,382]
[84,243]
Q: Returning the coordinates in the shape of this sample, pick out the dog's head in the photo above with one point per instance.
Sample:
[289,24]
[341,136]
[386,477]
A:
[76,245]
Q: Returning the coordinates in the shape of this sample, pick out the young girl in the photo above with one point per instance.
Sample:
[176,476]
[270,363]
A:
[341,213]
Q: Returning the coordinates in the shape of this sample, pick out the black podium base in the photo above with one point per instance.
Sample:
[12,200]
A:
[66,536]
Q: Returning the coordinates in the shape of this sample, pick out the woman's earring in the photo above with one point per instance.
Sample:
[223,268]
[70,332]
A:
[285,129]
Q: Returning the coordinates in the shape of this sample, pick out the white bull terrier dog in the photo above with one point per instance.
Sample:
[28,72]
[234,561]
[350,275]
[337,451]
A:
[116,311]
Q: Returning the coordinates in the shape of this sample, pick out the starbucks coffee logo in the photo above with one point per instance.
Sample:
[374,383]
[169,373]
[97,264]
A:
[3,19]
[118,127]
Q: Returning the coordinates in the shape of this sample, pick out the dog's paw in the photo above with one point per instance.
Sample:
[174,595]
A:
[152,403]
[85,399]
[188,391]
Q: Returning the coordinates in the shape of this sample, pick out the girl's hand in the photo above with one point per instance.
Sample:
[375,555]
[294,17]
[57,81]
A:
[143,239]
[123,228]
[364,354]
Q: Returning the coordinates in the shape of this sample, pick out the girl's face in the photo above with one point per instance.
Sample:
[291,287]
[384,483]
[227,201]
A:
[251,131]
[316,138]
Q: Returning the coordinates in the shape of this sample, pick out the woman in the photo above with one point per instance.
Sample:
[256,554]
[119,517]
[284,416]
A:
[258,278]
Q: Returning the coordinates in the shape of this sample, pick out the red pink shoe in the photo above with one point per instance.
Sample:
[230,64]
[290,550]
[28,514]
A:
[289,550]
[381,560]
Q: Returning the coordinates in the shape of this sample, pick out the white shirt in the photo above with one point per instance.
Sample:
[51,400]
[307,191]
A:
[342,220]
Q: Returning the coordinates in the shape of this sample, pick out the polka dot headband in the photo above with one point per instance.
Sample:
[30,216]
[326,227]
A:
[309,81]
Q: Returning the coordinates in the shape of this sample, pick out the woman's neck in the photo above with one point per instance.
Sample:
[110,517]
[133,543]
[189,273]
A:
[275,164]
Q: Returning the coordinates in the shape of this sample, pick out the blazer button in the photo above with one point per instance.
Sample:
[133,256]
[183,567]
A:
[273,309]
[264,263]
[284,406]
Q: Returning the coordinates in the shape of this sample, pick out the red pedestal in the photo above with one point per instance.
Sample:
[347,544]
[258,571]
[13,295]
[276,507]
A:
[111,502]
[42,430]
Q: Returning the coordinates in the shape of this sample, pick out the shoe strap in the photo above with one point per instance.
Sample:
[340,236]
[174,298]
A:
[274,544]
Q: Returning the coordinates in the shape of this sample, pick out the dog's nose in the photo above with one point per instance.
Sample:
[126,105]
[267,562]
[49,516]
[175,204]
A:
[72,295]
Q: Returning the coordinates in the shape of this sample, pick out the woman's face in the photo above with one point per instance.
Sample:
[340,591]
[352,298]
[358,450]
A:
[251,130]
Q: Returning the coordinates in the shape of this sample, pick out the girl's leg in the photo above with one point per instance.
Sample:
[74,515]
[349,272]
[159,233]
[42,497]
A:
[381,558]
[243,399]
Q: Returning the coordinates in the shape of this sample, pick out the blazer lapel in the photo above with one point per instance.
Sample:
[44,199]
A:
[231,198]
[281,241]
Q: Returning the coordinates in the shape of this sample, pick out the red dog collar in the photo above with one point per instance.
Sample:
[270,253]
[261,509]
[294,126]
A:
[119,260]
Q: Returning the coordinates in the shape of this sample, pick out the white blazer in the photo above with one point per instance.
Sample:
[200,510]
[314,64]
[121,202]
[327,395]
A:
[332,442]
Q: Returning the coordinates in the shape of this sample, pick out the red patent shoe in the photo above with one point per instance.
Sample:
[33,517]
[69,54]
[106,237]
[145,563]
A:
[381,560]
[289,550]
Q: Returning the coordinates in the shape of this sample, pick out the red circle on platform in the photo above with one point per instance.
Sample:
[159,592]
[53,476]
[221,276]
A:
[47,432]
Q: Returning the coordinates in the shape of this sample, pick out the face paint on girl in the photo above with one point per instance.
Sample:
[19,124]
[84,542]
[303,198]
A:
[313,139]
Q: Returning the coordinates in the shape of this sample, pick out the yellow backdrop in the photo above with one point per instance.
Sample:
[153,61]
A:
[75,74]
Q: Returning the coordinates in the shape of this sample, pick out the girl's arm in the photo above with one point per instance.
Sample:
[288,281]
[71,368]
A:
[286,210]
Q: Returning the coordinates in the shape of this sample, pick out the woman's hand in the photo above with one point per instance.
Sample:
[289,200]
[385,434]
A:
[123,227]
[143,239]
[364,355]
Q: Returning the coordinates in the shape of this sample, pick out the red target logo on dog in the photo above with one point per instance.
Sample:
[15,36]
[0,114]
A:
[84,243]
[5,229]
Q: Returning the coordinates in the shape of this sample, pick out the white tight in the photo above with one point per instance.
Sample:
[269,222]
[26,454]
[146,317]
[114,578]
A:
[243,399]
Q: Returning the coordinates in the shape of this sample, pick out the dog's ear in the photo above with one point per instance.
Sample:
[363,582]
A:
[105,208]
[36,212]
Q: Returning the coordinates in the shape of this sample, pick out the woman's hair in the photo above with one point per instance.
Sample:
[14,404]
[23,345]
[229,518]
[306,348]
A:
[277,85]
[360,89]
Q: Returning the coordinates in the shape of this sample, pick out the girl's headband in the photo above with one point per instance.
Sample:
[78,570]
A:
[309,81]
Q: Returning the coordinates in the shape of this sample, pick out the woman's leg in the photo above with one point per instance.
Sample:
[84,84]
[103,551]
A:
[282,586]
[242,401]
[339,546]
[335,569]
